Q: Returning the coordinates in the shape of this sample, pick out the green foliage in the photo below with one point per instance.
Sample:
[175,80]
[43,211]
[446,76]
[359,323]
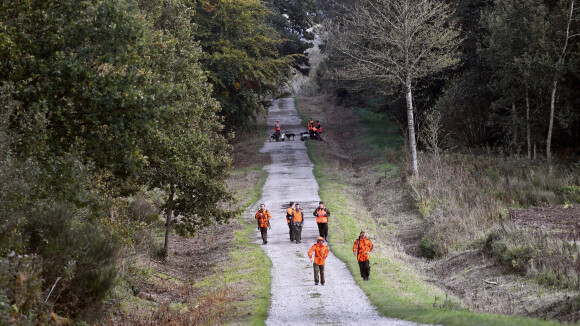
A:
[292,20]
[21,291]
[516,257]
[101,99]
[241,56]
[431,248]
[571,193]
[77,258]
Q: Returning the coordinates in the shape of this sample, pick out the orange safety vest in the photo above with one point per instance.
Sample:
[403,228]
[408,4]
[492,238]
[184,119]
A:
[276,127]
[363,249]
[310,125]
[297,216]
[320,215]
[320,253]
[288,214]
[319,127]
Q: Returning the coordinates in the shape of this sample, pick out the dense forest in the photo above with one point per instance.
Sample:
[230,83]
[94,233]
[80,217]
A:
[107,103]
[115,112]
[504,74]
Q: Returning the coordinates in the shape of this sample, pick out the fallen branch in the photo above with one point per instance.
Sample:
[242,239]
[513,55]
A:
[490,282]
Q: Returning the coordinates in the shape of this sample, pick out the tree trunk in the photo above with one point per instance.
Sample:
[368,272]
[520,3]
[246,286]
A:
[551,122]
[411,125]
[528,125]
[561,61]
[168,219]
[514,130]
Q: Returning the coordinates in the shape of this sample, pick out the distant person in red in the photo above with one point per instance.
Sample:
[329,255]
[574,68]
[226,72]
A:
[277,130]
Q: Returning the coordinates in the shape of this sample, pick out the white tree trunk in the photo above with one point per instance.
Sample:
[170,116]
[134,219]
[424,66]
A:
[411,125]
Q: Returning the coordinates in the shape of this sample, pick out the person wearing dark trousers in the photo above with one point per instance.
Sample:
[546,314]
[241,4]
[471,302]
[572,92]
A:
[361,249]
[322,213]
[263,216]
[289,210]
[320,253]
[297,222]
[277,130]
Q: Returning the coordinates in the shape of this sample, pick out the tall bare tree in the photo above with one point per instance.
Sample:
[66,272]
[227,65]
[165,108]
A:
[394,42]
[559,64]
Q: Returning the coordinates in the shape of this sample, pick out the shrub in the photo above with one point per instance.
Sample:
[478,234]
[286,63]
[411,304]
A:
[431,249]
[142,209]
[78,259]
[21,300]
[571,193]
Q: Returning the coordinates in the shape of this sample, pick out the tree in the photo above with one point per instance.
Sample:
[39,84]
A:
[512,51]
[557,50]
[186,152]
[395,42]
[240,54]
[293,20]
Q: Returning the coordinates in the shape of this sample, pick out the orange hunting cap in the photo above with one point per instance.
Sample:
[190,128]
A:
[320,239]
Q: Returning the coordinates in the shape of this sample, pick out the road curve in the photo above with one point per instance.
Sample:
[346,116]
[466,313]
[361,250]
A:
[295,300]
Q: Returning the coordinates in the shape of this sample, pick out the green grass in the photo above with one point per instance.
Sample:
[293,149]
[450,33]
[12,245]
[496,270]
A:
[248,265]
[396,289]
[380,131]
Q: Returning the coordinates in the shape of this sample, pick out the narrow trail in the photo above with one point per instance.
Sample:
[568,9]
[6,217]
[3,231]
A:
[295,300]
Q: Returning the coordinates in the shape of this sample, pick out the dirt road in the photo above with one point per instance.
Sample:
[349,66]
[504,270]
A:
[295,298]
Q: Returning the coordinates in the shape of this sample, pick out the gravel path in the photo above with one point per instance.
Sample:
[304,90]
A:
[295,298]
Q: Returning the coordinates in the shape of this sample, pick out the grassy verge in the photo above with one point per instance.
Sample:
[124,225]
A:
[398,287]
[247,270]
[217,277]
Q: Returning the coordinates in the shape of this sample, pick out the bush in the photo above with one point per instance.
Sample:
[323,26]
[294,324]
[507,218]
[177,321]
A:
[571,193]
[21,299]
[78,259]
[431,249]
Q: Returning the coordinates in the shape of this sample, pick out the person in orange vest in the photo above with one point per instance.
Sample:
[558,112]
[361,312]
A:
[322,213]
[320,253]
[318,127]
[297,223]
[361,249]
[289,210]
[263,216]
[310,127]
[277,130]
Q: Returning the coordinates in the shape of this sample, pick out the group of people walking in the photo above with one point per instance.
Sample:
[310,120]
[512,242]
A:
[295,220]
